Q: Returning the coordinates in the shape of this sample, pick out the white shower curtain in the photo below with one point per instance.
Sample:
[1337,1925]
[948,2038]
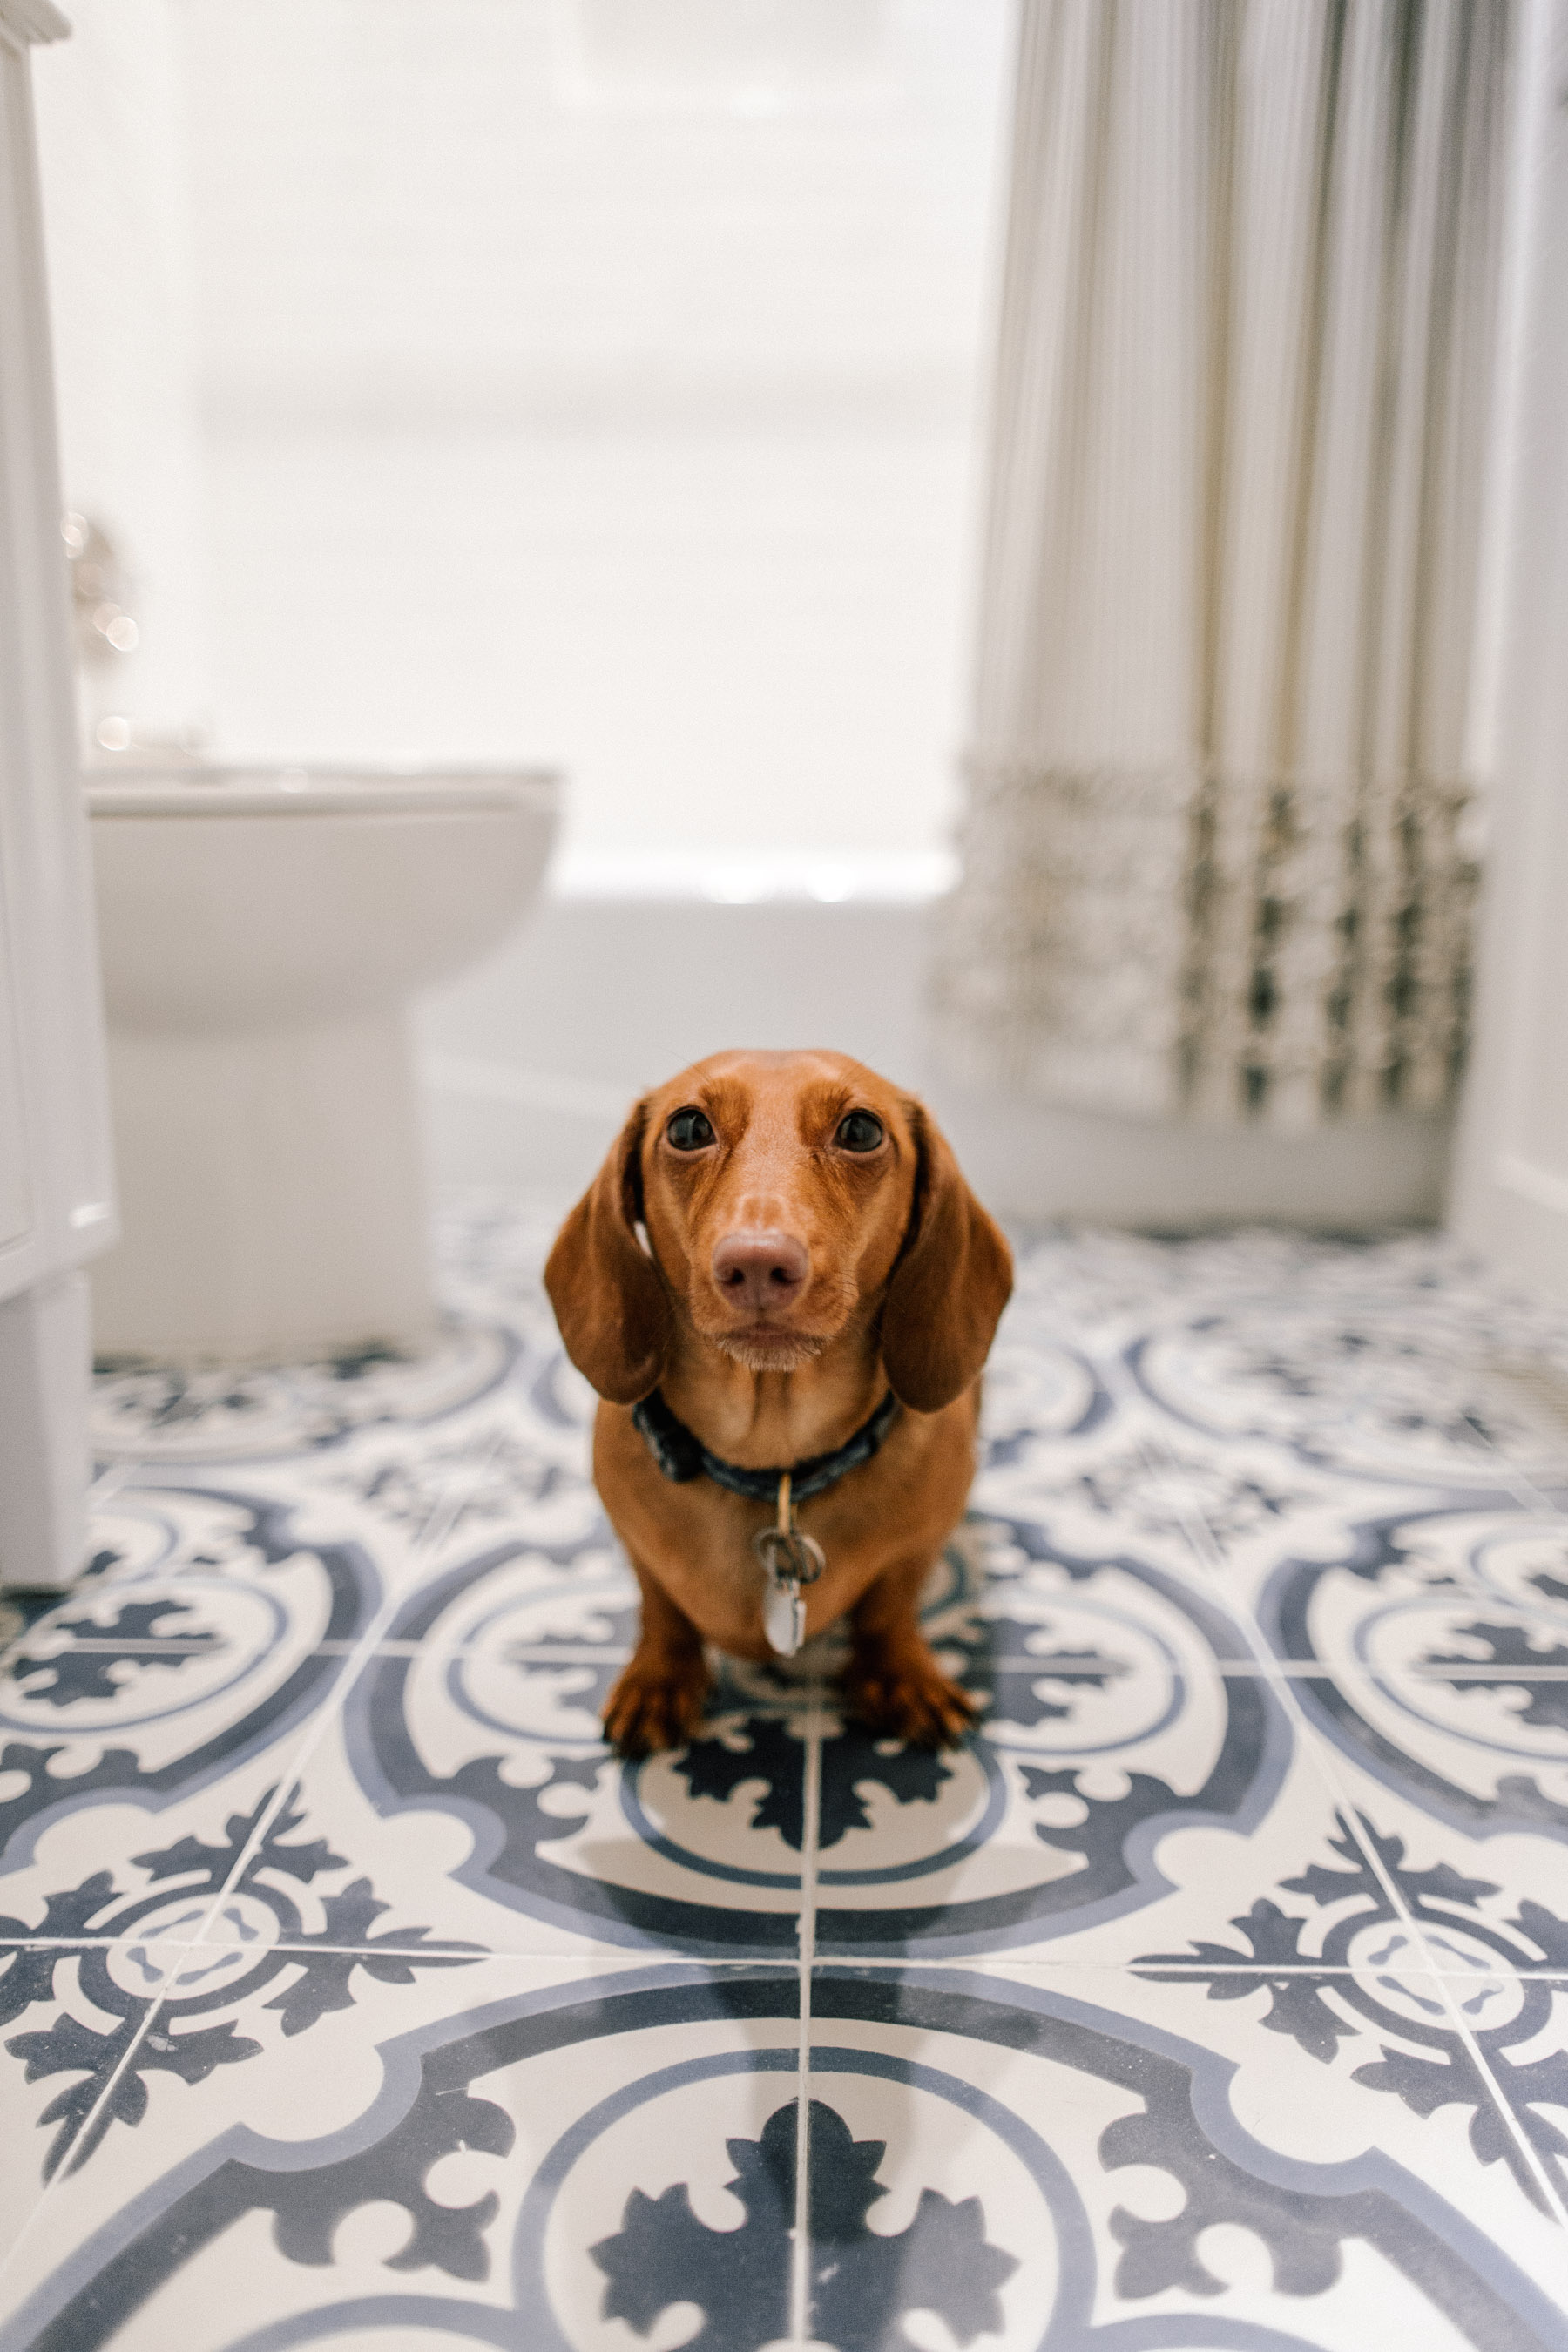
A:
[1214,855]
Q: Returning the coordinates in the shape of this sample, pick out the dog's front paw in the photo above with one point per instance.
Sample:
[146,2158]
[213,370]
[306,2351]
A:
[654,1705]
[909,1698]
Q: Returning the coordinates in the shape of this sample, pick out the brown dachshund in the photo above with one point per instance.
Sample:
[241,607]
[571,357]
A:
[780,1267]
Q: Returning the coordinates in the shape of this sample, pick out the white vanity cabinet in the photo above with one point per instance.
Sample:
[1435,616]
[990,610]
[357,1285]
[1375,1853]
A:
[56,1201]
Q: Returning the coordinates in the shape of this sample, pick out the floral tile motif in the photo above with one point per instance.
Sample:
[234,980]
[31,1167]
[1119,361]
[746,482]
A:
[1110,1712]
[565,1844]
[1405,1387]
[1214,1993]
[487,2158]
[152,1413]
[1083,2171]
[209,1632]
[197,1933]
[1434,1651]
[1459,1991]
[1116,1703]
[1133,1484]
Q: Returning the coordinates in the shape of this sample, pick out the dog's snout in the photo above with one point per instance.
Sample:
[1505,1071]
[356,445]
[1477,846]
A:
[760,1271]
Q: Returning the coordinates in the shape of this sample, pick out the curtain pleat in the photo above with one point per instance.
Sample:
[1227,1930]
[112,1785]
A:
[1214,857]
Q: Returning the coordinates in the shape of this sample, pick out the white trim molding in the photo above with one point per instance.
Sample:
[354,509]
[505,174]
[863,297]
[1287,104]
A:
[1512,1188]
[56,1191]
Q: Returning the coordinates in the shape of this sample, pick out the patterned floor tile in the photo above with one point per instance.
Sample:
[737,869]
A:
[1127,1484]
[1334,1597]
[1380,1394]
[1463,1938]
[1434,1651]
[41,1983]
[1214,1993]
[151,1681]
[1482,1751]
[481,2154]
[133,1867]
[476,1769]
[158,1414]
[1058,2156]
[1119,1705]
[1506,1885]
[124,1767]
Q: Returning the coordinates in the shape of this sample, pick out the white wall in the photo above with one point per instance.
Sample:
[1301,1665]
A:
[561,397]
[111,119]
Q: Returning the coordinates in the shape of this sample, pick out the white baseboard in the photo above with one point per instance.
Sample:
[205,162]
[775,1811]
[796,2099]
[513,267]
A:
[530,1064]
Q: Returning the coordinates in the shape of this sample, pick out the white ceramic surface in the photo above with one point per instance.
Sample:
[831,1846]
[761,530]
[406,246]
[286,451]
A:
[56,1184]
[262,933]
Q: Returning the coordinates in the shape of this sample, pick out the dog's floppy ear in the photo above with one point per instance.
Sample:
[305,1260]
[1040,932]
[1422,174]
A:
[946,1293]
[607,1294]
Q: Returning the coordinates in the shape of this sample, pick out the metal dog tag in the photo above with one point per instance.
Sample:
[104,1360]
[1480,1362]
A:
[790,1559]
[784,1619]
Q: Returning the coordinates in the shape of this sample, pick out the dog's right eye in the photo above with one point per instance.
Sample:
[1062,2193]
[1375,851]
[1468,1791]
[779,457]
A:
[690,1130]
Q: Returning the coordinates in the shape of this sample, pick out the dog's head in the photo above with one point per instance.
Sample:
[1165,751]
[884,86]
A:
[784,1199]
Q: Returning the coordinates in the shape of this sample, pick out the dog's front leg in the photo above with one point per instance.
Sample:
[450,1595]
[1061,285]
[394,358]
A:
[658,1700]
[893,1685]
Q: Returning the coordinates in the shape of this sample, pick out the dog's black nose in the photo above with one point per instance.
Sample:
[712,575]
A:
[760,1271]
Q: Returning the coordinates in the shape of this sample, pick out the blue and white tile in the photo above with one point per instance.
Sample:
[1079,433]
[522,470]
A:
[143,1963]
[132,1770]
[1111,1722]
[476,1767]
[1343,1552]
[1505,1883]
[1413,1383]
[455,2158]
[1434,1651]
[1070,2152]
[1463,1938]
[168,1416]
[1122,1477]
[1399,1583]
[1262,1599]
[160,1863]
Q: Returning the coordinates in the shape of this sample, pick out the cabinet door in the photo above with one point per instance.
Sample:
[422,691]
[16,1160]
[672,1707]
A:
[1512,1188]
[56,1184]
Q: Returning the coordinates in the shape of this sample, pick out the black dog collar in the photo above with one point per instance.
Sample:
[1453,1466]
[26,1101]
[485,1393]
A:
[681,1455]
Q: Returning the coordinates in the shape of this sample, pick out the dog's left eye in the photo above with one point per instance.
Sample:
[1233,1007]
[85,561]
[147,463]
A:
[858,1132]
[690,1130]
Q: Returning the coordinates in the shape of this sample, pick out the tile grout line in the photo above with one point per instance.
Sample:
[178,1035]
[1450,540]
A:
[1211,1579]
[1528,1495]
[1324,1761]
[1206,1549]
[75,2155]
[1137,1965]
[811,1801]
[586,1654]
[436,1528]
[1211,1560]
[433,1532]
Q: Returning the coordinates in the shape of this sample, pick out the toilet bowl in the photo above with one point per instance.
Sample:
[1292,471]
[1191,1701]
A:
[262,933]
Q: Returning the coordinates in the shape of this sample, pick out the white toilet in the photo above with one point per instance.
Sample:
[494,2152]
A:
[263,931]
